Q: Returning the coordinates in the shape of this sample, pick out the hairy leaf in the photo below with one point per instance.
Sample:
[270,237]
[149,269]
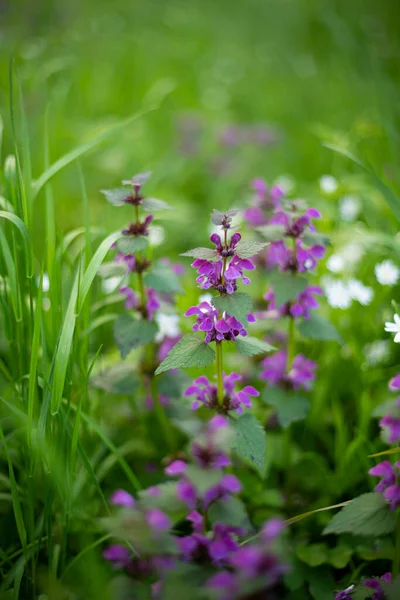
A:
[289,407]
[250,440]
[250,346]
[130,333]
[249,249]
[237,305]
[117,196]
[206,253]
[286,286]
[318,328]
[130,244]
[218,217]
[190,351]
[273,233]
[367,514]
[230,511]
[154,204]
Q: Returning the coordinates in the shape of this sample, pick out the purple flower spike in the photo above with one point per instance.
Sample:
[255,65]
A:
[300,376]
[131,300]
[392,424]
[176,468]
[187,493]
[385,470]
[394,383]
[206,393]
[122,498]
[272,529]
[118,555]
[217,329]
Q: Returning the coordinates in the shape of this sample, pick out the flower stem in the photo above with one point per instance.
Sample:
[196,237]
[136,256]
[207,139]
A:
[220,381]
[290,344]
[396,557]
[142,292]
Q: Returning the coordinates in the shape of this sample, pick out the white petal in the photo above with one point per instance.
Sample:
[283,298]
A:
[397,338]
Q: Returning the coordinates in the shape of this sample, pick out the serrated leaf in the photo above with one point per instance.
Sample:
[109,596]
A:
[190,351]
[230,511]
[237,305]
[154,205]
[249,249]
[250,440]
[273,233]
[206,253]
[367,514]
[286,286]
[116,197]
[250,346]
[162,279]
[132,243]
[289,407]
[218,217]
[130,333]
[119,379]
[318,328]
[314,237]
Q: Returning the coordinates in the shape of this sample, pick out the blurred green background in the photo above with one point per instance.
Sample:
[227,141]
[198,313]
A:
[299,72]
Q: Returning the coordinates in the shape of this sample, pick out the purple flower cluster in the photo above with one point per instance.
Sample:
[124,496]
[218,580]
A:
[206,394]
[216,327]
[389,485]
[132,300]
[391,421]
[265,201]
[374,583]
[161,546]
[299,376]
[301,306]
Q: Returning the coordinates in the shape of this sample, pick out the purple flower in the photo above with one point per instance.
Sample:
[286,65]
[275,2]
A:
[158,520]
[228,486]
[345,594]
[215,328]
[392,495]
[301,306]
[118,555]
[393,425]
[128,259]
[300,376]
[385,470]
[394,383]
[122,498]
[265,200]
[295,225]
[303,260]
[211,275]
[375,584]
[187,493]
[225,584]
[206,393]
[139,228]
[176,468]
[132,301]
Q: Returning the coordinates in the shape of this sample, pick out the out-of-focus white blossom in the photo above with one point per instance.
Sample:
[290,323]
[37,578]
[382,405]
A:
[168,326]
[349,208]
[360,292]
[377,352]
[394,328]
[387,273]
[328,184]
[335,263]
[337,292]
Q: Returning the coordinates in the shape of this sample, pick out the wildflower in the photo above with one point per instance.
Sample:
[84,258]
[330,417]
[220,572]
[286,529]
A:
[206,393]
[337,293]
[132,301]
[335,263]
[302,260]
[392,424]
[215,328]
[349,208]
[388,485]
[345,594]
[377,352]
[122,498]
[295,224]
[394,328]
[168,326]
[118,556]
[301,306]
[359,292]
[328,184]
[387,273]
[300,375]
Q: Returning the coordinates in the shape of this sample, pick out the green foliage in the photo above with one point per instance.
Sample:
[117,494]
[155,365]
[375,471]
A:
[289,406]
[318,328]
[130,244]
[217,217]
[286,286]
[249,249]
[206,253]
[119,379]
[190,351]
[116,197]
[251,346]
[367,515]
[273,233]
[237,305]
[202,479]
[230,511]
[130,333]
[162,279]
[154,205]
[250,440]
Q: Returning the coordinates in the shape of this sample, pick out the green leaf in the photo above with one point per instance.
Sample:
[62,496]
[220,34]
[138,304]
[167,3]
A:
[289,407]
[190,351]
[361,592]
[286,286]
[274,233]
[237,305]
[393,589]
[250,346]
[130,244]
[313,555]
[318,328]
[367,514]
[322,583]
[116,197]
[162,279]
[389,407]
[206,253]
[249,249]
[202,479]
[230,511]
[119,379]
[340,556]
[250,440]
[314,237]
[218,217]
[130,333]
[153,205]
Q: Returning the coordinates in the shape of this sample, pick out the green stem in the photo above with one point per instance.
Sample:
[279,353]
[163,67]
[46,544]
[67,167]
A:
[161,416]
[396,557]
[290,344]
[220,381]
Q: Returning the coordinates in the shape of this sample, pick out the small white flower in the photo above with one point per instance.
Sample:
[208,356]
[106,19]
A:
[337,293]
[46,282]
[349,208]
[377,352]
[335,263]
[360,292]
[387,273]
[352,253]
[156,235]
[394,328]
[168,326]
[205,298]
[328,184]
